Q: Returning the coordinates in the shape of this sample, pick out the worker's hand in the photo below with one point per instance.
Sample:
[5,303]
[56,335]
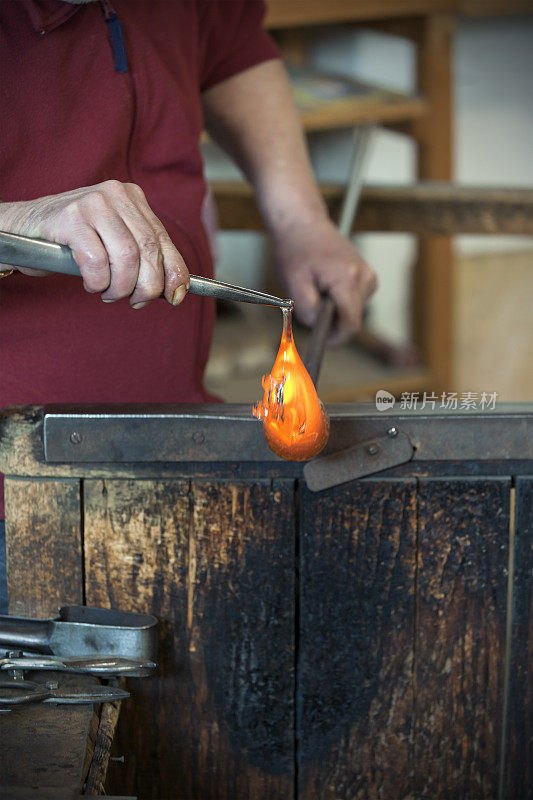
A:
[311,260]
[121,247]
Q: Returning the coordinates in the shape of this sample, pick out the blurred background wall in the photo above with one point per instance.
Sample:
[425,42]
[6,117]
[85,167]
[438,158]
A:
[493,130]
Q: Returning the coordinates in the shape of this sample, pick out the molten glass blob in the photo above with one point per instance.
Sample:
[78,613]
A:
[295,423]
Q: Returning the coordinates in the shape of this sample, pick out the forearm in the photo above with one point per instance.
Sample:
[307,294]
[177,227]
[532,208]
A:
[253,117]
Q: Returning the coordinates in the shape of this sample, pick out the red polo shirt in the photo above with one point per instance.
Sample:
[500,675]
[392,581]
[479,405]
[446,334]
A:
[68,119]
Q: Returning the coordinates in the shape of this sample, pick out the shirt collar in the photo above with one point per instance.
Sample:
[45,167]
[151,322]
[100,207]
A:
[45,15]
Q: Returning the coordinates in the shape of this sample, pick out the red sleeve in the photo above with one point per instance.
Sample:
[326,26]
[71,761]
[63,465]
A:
[232,38]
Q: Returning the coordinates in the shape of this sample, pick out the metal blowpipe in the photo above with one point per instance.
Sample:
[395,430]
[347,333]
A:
[21,251]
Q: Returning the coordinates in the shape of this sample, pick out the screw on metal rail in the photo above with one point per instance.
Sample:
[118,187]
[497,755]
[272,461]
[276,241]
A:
[198,437]
[76,437]
[15,674]
[372,449]
[392,432]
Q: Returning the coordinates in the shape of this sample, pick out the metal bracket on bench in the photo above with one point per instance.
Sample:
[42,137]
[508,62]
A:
[363,458]
[359,443]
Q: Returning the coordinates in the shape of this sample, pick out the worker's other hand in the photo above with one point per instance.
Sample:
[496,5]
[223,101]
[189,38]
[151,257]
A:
[312,260]
[120,246]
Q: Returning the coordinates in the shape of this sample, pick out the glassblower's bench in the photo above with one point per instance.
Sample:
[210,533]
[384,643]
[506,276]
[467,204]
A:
[370,639]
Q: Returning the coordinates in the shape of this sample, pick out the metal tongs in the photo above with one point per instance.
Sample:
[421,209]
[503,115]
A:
[80,631]
[102,666]
[20,692]
[80,641]
[22,251]
[16,689]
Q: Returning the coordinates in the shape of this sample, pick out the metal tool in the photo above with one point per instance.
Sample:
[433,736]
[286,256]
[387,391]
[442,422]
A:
[228,433]
[386,450]
[22,251]
[103,666]
[83,631]
[326,313]
[20,692]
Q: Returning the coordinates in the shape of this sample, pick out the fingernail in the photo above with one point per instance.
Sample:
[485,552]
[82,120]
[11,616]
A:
[108,301]
[138,305]
[188,285]
[178,295]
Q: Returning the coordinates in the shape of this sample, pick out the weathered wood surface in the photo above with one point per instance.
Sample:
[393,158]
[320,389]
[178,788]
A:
[43,542]
[409,628]
[52,794]
[400,636]
[99,750]
[215,562]
[357,570]
[21,445]
[432,207]
[460,636]
[519,763]
[43,746]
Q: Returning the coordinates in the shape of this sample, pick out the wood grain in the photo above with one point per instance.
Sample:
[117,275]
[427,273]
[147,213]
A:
[101,748]
[460,636]
[430,207]
[43,541]
[281,14]
[402,616]
[356,648]
[519,761]
[43,746]
[215,562]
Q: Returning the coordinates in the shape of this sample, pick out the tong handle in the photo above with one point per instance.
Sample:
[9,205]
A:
[26,634]
[21,692]
[24,692]
[326,314]
[319,337]
[82,665]
[22,251]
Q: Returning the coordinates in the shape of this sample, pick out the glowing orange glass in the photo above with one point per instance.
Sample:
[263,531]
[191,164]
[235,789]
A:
[295,423]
